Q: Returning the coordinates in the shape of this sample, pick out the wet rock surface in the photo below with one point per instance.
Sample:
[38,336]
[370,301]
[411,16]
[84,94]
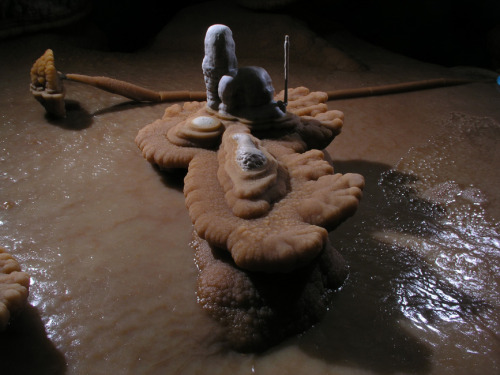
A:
[105,236]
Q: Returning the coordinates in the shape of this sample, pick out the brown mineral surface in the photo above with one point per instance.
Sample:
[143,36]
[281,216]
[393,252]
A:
[270,213]
[14,288]
[105,236]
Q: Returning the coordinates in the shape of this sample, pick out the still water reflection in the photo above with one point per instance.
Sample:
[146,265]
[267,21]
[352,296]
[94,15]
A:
[431,259]
[422,296]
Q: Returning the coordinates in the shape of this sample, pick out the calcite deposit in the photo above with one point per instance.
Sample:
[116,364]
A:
[292,205]
[260,194]
[14,288]
[46,85]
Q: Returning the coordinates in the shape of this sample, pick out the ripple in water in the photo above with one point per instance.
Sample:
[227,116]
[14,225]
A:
[445,217]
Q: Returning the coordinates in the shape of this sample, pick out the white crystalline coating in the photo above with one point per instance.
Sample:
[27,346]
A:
[220,59]
[219,49]
[248,156]
[249,94]
[246,92]
[206,123]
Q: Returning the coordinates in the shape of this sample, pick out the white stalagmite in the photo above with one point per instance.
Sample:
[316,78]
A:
[220,59]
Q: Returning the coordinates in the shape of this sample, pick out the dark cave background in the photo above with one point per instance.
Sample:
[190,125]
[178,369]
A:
[445,32]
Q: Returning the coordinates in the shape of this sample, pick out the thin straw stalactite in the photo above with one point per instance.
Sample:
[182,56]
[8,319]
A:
[134,92]
[396,88]
[46,86]
[116,86]
[142,94]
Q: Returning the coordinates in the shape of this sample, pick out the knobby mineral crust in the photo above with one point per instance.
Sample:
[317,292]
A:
[267,268]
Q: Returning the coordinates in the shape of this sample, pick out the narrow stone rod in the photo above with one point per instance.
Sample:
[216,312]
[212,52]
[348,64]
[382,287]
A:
[287,62]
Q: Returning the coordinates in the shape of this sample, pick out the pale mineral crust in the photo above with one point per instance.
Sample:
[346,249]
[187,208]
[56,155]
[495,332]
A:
[289,236]
[258,310]
[14,288]
[220,60]
[297,203]
[46,85]
[252,179]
